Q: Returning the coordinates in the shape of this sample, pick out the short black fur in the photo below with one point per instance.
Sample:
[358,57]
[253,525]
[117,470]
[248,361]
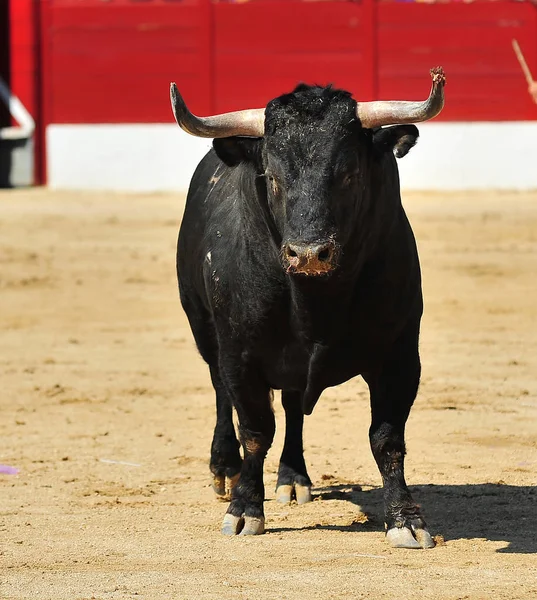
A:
[319,181]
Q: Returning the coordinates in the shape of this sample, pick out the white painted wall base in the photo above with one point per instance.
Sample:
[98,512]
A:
[161,157]
[140,158]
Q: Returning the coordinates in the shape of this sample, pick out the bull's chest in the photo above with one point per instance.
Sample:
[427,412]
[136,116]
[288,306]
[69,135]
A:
[314,342]
[298,364]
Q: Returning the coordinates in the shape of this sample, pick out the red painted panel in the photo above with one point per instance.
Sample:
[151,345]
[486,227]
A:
[472,43]
[113,62]
[23,49]
[24,66]
[263,49]
[5,117]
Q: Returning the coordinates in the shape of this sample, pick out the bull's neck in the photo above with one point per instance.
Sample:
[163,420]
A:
[319,307]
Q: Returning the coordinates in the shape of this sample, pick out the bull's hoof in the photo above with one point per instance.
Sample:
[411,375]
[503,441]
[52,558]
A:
[406,537]
[287,493]
[223,486]
[243,525]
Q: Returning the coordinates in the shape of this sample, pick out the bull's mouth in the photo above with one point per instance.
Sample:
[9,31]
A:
[312,269]
[312,260]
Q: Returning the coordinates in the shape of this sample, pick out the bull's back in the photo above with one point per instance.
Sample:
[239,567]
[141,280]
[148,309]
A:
[196,213]
[190,244]
[211,253]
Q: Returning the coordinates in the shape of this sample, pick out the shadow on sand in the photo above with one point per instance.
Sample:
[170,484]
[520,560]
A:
[491,511]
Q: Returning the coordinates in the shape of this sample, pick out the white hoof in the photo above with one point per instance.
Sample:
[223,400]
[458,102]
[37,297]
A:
[223,486]
[286,493]
[424,538]
[253,526]
[401,537]
[303,493]
[232,525]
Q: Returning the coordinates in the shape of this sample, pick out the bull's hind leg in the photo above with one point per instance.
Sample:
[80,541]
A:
[293,478]
[392,394]
[226,460]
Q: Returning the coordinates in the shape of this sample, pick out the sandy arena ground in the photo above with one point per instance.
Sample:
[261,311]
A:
[97,365]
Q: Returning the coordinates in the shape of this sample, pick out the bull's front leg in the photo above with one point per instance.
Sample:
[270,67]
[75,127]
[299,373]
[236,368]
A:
[293,478]
[393,391]
[252,401]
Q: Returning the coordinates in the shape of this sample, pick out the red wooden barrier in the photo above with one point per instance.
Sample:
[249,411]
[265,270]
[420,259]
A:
[108,62]
[112,62]
[24,72]
[263,49]
[5,68]
[23,53]
[473,44]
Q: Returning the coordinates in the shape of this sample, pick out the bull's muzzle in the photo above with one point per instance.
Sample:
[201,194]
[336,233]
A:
[309,259]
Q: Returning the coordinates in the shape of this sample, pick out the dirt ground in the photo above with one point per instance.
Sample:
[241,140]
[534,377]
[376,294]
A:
[108,411]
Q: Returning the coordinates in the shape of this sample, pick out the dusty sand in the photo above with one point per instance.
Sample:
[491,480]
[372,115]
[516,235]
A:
[97,364]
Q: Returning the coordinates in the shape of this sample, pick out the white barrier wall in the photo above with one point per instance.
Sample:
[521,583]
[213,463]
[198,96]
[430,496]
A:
[161,157]
[141,157]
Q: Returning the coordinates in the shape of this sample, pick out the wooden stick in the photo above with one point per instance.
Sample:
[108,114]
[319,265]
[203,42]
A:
[523,63]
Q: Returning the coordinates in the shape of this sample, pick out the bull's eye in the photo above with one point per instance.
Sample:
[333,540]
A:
[273,184]
[348,180]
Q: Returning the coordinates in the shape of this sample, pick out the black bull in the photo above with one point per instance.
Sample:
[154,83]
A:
[298,270]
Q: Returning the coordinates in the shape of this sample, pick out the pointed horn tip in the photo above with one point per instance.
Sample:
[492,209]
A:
[173,93]
[438,76]
[176,99]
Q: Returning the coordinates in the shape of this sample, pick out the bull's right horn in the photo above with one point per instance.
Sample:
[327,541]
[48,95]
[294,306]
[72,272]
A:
[249,123]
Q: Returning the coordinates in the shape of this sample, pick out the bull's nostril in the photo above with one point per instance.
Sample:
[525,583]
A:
[308,258]
[324,255]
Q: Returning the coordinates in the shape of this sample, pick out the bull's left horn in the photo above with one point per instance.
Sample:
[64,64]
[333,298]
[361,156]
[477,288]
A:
[387,112]
[249,123]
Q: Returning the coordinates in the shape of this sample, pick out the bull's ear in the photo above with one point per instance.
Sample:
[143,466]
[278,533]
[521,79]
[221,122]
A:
[236,150]
[398,138]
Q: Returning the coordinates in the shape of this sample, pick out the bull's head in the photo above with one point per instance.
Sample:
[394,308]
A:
[317,150]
